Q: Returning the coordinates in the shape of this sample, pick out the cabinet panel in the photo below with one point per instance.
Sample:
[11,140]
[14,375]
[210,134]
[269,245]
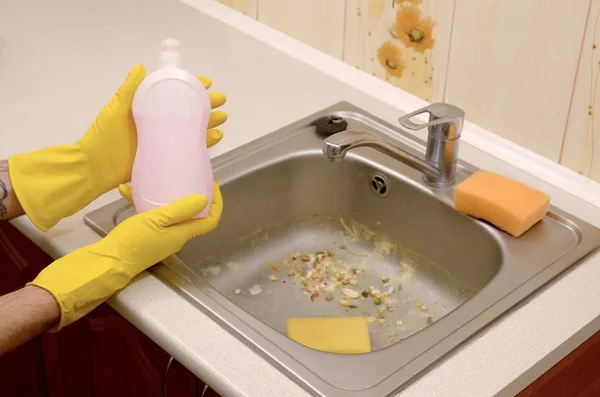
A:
[513,65]
[576,375]
[22,372]
[101,355]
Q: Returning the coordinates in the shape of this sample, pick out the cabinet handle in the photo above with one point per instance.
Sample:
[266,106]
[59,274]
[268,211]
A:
[166,375]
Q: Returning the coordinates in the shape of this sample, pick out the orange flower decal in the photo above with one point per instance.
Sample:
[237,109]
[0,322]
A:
[415,32]
[391,59]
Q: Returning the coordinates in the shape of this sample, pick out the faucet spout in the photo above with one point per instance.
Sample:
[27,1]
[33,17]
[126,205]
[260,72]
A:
[336,146]
[439,166]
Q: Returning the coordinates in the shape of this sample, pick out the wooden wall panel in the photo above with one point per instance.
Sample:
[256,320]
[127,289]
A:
[382,38]
[581,150]
[527,74]
[513,65]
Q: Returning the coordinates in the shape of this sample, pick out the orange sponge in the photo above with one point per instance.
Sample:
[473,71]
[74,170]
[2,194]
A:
[505,203]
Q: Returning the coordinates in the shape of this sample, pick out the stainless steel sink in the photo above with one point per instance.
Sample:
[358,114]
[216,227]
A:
[449,275]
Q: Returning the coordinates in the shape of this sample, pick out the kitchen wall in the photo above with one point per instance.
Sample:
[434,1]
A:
[527,70]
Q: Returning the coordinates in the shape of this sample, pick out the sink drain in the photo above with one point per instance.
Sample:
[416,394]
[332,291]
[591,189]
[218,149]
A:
[379,185]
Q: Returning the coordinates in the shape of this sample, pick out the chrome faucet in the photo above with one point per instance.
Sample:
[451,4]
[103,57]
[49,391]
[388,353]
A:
[439,166]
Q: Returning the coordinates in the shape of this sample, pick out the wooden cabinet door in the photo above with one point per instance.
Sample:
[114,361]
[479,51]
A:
[22,372]
[101,355]
[576,375]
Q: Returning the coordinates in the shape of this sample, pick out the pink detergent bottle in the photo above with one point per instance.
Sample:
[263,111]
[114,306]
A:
[171,109]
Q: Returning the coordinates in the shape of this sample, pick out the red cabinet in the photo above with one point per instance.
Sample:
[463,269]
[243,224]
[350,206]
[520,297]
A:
[102,355]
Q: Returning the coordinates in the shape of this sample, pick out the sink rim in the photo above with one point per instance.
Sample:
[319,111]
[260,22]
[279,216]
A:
[198,291]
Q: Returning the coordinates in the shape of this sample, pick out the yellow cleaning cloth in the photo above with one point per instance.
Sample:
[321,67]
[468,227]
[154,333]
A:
[343,335]
[505,203]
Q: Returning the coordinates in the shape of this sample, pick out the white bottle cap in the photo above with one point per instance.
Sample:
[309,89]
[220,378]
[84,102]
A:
[169,56]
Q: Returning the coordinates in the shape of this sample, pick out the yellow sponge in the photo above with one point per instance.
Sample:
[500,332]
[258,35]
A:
[507,204]
[343,335]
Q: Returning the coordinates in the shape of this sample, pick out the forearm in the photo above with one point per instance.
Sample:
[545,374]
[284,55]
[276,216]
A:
[25,314]
[9,204]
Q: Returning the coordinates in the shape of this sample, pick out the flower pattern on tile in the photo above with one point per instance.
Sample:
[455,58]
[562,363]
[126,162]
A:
[414,31]
[391,59]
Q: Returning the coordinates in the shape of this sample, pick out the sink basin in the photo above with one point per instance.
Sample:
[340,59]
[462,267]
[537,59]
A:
[295,223]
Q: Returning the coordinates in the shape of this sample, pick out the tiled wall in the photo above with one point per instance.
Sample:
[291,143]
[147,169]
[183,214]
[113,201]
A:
[527,70]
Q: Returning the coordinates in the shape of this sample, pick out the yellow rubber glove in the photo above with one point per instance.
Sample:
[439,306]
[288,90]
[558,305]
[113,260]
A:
[83,279]
[59,181]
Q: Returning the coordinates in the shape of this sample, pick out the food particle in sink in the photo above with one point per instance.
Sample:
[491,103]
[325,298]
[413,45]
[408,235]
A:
[399,322]
[421,306]
[374,291]
[273,266]
[385,279]
[390,309]
[377,300]
[350,293]
[273,277]
[211,270]
[329,297]
[313,296]
[365,294]
[255,290]
[354,282]
[370,319]
[347,303]
[430,320]
[390,290]
[238,291]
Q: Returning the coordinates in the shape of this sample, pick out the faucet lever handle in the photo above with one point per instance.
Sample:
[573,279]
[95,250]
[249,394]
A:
[439,113]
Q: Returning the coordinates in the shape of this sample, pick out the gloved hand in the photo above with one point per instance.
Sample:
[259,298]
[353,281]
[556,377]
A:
[83,279]
[59,181]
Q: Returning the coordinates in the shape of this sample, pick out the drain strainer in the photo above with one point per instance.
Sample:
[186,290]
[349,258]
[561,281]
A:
[379,185]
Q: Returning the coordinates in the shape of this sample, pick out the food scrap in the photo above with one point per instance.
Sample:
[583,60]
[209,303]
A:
[348,303]
[273,266]
[321,272]
[350,293]
[344,283]
[255,290]
[238,291]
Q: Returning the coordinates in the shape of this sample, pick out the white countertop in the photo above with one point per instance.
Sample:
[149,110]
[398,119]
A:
[60,62]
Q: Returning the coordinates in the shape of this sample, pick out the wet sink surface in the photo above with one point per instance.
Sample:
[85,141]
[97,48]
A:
[300,233]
